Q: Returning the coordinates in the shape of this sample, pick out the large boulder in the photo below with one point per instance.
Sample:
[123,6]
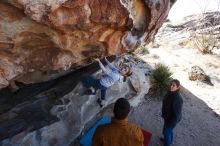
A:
[198,74]
[42,39]
[65,119]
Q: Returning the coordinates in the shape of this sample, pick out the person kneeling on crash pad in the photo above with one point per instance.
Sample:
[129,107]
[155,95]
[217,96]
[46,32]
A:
[119,132]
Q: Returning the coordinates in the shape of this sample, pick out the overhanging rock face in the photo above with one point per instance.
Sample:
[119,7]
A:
[51,119]
[40,39]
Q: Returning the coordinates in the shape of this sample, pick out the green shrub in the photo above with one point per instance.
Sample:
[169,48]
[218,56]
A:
[161,78]
[204,43]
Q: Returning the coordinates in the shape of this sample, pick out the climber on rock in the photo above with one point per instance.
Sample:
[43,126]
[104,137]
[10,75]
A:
[110,76]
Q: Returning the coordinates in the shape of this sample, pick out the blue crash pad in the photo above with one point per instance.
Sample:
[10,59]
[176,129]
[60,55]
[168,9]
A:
[86,140]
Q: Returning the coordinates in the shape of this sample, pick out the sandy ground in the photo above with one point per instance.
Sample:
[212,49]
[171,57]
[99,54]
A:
[180,61]
[200,124]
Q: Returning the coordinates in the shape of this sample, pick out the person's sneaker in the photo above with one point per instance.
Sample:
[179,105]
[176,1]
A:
[161,139]
[88,92]
[101,102]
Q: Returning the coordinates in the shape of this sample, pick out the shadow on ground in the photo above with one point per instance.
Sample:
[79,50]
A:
[200,125]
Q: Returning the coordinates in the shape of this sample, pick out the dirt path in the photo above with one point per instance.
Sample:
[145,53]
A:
[199,126]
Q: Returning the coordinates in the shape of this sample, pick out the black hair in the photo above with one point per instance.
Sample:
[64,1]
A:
[121,109]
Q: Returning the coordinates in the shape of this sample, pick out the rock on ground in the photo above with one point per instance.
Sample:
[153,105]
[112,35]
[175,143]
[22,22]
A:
[197,74]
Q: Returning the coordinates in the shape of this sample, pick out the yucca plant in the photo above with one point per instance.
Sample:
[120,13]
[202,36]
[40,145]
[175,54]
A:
[205,43]
[161,78]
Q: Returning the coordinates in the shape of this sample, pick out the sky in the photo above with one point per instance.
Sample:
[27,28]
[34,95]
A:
[184,8]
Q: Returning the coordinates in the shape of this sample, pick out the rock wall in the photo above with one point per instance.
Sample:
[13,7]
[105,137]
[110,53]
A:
[72,110]
[42,39]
